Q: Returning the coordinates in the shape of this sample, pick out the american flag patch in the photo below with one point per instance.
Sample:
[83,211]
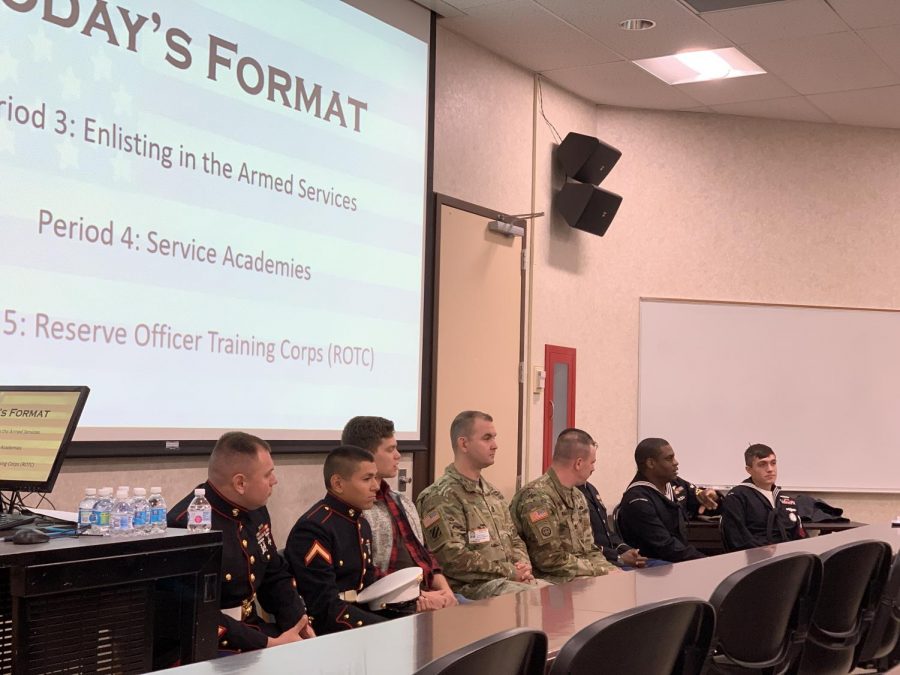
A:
[430,519]
[538,514]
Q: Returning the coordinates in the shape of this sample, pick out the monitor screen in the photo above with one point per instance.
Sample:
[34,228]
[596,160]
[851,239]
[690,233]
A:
[225,202]
[36,426]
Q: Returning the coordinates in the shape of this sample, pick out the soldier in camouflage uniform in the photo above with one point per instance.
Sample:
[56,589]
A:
[466,521]
[552,517]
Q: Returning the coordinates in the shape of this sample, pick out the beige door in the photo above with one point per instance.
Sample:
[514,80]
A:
[478,308]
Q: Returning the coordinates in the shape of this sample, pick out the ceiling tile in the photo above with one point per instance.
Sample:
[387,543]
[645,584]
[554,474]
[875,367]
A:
[821,63]
[732,90]
[885,42]
[677,28]
[440,7]
[793,18]
[529,35]
[793,108]
[469,4]
[868,13]
[622,84]
[863,107]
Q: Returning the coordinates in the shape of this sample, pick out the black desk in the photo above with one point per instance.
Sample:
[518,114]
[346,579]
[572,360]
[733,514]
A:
[97,604]
[404,645]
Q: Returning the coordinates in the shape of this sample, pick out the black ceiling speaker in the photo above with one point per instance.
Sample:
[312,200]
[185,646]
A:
[586,159]
[587,208]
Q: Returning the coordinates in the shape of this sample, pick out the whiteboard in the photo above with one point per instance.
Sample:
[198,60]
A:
[821,386]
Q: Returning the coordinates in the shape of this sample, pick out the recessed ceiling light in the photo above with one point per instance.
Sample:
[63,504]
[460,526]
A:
[700,66]
[637,24]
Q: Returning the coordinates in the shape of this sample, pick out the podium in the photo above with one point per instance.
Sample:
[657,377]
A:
[108,605]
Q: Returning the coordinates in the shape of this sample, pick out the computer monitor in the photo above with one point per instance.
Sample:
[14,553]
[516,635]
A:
[36,426]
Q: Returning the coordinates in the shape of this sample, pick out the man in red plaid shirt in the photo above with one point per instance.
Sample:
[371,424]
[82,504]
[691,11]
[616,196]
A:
[396,528]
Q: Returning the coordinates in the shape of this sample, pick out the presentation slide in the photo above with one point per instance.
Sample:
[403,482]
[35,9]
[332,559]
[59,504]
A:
[32,428]
[213,213]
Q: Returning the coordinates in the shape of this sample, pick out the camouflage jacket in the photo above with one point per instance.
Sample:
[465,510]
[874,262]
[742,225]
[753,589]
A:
[555,524]
[467,526]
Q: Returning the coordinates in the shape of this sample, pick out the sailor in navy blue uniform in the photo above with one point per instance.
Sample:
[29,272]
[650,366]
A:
[241,477]
[653,513]
[330,547]
[756,512]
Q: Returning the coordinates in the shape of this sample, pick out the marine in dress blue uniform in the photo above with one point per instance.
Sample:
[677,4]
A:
[252,570]
[329,550]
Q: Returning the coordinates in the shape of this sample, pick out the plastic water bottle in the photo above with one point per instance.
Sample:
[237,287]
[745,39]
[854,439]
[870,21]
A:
[121,519]
[157,510]
[102,510]
[199,513]
[86,509]
[141,508]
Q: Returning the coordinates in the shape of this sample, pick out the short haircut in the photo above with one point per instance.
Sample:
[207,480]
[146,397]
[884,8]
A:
[367,432]
[462,424]
[572,444]
[756,451]
[649,448]
[343,461]
[235,444]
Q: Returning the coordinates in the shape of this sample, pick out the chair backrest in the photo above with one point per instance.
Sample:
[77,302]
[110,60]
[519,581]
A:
[518,651]
[666,637]
[854,575]
[764,611]
[885,628]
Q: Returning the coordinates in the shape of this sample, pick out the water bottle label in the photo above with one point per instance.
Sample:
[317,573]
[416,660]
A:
[102,518]
[121,522]
[85,516]
[140,518]
[201,517]
[157,515]
[94,518]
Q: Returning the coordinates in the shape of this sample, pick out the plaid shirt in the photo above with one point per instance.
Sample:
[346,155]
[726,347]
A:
[404,535]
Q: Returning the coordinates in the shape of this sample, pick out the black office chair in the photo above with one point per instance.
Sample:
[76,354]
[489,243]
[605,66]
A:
[854,575]
[518,651]
[882,637]
[763,613]
[666,637]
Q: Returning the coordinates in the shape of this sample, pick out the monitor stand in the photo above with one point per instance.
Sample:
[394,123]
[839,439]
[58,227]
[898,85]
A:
[11,501]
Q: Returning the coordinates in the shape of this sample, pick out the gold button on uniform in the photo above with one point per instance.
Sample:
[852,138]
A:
[224,643]
[244,543]
[359,623]
[227,577]
[252,578]
[252,560]
[235,512]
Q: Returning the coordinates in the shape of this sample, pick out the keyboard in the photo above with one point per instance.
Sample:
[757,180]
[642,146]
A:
[11,520]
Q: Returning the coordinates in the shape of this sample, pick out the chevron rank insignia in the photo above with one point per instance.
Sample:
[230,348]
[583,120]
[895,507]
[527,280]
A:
[317,550]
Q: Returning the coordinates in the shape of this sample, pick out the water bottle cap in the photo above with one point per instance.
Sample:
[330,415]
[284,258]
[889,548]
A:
[140,492]
[155,490]
[90,491]
[106,491]
[199,492]
[122,487]
[122,494]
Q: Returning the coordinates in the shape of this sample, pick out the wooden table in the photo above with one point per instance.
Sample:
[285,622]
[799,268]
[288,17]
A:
[404,645]
[706,537]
